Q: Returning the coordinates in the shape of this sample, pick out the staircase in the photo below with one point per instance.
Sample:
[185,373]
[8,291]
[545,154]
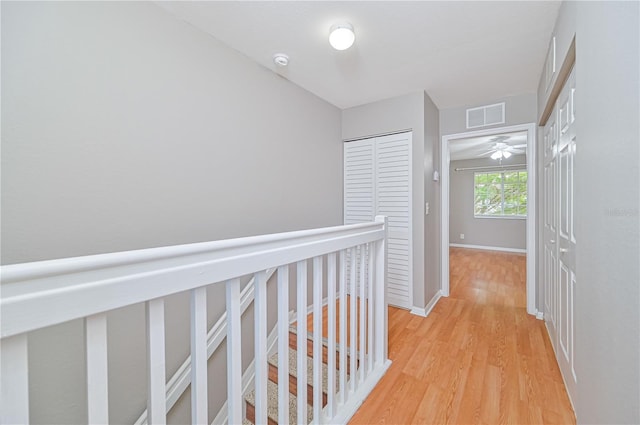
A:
[322,378]
[272,397]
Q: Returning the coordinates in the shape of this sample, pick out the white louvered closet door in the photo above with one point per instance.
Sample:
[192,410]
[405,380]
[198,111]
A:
[393,199]
[377,181]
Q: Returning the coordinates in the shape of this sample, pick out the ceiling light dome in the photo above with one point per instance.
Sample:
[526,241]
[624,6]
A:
[341,36]
[281,59]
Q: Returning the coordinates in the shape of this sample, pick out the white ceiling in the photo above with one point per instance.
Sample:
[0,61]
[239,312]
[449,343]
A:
[482,147]
[461,53]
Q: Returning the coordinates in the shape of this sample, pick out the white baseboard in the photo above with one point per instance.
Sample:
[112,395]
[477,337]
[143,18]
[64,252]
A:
[433,301]
[539,315]
[417,311]
[424,312]
[489,248]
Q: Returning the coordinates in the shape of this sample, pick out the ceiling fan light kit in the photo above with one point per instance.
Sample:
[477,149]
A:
[342,36]
[500,154]
[502,150]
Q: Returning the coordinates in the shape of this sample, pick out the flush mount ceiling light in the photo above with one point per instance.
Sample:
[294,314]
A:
[341,36]
[280,59]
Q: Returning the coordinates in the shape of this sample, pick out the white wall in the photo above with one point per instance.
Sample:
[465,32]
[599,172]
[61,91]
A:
[494,232]
[607,202]
[125,128]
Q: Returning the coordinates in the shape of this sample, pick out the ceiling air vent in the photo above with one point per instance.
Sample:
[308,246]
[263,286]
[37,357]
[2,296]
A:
[485,115]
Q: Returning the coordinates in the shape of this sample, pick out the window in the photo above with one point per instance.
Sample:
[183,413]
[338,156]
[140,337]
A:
[500,194]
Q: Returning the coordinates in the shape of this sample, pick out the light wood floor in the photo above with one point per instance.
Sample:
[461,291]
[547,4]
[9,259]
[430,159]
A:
[478,357]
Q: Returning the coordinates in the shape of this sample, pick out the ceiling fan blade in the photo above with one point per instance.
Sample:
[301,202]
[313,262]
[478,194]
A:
[519,146]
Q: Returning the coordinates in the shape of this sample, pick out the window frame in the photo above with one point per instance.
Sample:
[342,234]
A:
[502,197]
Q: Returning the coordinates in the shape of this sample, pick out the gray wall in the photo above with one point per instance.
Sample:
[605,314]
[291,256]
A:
[519,109]
[114,132]
[494,232]
[391,115]
[125,128]
[432,195]
[608,230]
[607,201]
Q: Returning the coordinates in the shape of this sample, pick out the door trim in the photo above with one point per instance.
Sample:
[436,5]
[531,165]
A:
[530,128]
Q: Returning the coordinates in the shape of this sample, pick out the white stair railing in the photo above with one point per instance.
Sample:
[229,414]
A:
[41,294]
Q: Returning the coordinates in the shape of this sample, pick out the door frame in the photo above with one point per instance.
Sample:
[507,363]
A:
[530,128]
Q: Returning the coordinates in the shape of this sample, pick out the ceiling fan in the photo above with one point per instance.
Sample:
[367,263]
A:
[502,150]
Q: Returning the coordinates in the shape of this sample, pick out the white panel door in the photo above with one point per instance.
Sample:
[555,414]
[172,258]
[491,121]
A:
[393,199]
[550,226]
[566,234]
[377,181]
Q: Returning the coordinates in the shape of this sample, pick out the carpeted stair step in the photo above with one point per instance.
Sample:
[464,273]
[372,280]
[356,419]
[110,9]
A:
[293,374]
[272,383]
[293,344]
[272,406]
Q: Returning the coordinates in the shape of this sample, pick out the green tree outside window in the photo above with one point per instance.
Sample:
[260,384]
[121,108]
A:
[500,194]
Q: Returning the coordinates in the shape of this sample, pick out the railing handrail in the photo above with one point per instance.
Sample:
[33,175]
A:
[46,268]
[44,293]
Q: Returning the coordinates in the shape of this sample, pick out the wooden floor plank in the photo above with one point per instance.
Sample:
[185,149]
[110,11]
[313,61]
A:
[478,357]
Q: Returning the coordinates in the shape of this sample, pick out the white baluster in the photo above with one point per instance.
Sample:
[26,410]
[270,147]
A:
[381,318]
[261,347]
[283,345]
[302,340]
[343,327]
[14,380]
[317,339]
[363,312]
[156,381]
[331,334]
[353,321]
[97,369]
[234,352]
[370,301]
[199,374]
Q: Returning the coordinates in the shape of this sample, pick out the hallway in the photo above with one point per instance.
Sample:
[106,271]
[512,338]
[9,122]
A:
[477,358]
